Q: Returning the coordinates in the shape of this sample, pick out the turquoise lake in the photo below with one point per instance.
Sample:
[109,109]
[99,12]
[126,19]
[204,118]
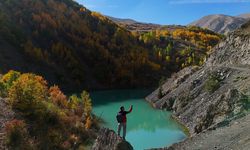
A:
[146,127]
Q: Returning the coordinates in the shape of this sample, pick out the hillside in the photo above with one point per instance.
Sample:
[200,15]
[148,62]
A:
[215,94]
[122,21]
[76,48]
[221,23]
[179,46]
[173,46]
[6,114]
[246,16]
[36,116]
[133,25]
[71,46]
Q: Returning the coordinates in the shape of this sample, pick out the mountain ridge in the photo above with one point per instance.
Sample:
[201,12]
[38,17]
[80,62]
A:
[221,23]
[133,25]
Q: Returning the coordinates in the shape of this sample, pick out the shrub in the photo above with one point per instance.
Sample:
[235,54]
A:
[17,135]
[57,97]
[7,81]
[73,102]
[52,116]
[212,83]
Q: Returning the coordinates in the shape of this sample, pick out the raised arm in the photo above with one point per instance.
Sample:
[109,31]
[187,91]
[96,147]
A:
[130,109]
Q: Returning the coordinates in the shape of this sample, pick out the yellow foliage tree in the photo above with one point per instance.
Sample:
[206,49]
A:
[7,81]
[87,104]
[27,91]
[73,102]
[57,97]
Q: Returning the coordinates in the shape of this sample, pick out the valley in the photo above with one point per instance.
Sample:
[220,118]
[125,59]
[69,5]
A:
[65,71]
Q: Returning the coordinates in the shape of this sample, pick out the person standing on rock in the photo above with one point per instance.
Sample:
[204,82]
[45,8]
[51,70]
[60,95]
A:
[122,120]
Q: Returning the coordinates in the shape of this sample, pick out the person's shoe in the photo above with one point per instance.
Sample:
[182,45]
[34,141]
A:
[124,138]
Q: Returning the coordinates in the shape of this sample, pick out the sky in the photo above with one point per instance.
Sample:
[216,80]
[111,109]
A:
[167,12]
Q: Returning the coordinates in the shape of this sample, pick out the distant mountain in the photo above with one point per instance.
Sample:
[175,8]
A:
[133,25]
[221,23]
[122,21]
[246,16]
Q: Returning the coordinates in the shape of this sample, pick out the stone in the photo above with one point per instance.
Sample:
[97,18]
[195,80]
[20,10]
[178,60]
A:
[108,140]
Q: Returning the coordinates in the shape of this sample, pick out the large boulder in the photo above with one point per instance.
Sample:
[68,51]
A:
[109,140]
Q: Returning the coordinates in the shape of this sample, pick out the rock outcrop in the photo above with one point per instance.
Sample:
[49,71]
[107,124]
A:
[215,93]
[109,140]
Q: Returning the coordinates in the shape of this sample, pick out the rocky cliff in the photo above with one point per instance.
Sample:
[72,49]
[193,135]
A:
[109,140]
[207,97]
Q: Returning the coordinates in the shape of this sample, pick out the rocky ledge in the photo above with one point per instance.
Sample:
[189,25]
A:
[109,140]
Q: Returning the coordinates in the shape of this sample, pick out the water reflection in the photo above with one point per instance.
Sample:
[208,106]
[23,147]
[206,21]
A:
[146,127]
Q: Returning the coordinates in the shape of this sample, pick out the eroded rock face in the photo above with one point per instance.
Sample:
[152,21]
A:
[234,50]
[109,140]
[203,98]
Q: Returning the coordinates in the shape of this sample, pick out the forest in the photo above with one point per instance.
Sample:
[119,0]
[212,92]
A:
[84,49]
[180,47]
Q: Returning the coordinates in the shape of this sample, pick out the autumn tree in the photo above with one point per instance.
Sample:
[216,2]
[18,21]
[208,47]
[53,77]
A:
[57,97]
[27,92]
[7,81]
[87,104]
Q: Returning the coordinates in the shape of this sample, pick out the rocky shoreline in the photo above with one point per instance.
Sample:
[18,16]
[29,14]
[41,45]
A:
[233,136]
[210,100]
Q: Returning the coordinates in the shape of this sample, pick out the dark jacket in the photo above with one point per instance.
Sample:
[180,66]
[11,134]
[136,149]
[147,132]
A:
[124,113]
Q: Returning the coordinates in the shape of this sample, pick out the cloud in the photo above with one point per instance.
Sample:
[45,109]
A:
[207,1]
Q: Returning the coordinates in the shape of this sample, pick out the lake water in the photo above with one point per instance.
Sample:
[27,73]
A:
[146,127]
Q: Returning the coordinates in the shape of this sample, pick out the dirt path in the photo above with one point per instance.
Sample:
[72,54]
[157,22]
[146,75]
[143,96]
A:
[6,114]
[240,68]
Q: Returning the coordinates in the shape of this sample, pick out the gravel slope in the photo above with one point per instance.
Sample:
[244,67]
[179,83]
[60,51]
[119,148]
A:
[235,136]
